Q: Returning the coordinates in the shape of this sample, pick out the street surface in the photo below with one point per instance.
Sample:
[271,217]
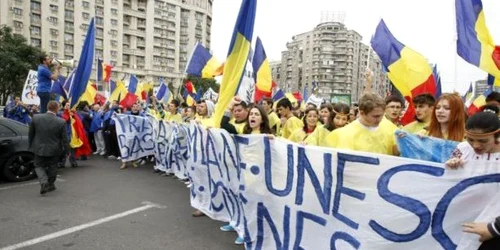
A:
[99,206]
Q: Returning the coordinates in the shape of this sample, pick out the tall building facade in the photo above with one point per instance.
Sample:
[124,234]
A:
[335,58]
[148,38]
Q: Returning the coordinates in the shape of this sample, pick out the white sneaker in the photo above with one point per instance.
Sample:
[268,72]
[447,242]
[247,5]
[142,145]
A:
[142,162]
[190,185]
[96,152]
[118,158]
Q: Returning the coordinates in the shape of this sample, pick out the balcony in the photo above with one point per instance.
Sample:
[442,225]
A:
[36,10]
[141,5]
[35,34]
[141,24]
[70,29]
[133,32]
[69,6]
[36,21]
[131,12]
[141,44]
[99,2]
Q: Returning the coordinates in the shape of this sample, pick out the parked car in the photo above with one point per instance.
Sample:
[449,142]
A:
[16,162]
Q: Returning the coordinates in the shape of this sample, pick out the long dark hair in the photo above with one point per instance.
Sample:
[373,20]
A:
[264,126]
[304,119]
[340,108]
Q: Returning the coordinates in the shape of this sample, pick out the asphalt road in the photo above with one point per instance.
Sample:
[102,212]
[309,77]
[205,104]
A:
[99,192]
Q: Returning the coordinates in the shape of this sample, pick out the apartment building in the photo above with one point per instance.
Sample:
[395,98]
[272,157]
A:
[335,58]
[148,38]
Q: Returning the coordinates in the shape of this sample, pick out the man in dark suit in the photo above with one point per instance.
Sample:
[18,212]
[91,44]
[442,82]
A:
[48,140]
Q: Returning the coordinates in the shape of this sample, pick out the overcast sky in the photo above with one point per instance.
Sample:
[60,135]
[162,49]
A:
[427,26]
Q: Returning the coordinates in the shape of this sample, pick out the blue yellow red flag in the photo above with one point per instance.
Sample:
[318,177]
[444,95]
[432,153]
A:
[408,70]
[239,49]
[475,44]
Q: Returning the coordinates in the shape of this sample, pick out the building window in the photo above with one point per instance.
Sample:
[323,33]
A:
[113,32]
[53,43]
[114,12]
[86,4]
[18,11]
[99,21]
[84,26]
[85,16]
[68,37]
[35,6]
[35,30]
[52,19]
[99,32]
[54,32]
[68,14]
[114,22]
[114,53]
[113,43]
[18,25]
[54,8]
[98,42]
[99,11]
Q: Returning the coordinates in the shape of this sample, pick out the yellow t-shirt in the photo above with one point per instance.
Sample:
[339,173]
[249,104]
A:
[205,121]
[173,118]
[415,127]
[274,120]
[318,136]
[238,126]
[293,123]
[356,136]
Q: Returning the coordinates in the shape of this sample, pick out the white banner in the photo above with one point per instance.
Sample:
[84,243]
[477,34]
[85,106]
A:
[279,195]
[214,171]
[29,95]
[135,136]
[316,198]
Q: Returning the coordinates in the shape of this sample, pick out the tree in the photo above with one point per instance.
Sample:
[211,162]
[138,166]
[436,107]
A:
[203,83]
[17,57]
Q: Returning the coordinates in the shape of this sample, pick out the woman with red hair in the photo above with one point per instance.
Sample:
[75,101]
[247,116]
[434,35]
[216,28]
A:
[448,119]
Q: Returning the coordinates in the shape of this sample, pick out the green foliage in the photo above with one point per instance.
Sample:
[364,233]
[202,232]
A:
[17,57]
[203,83]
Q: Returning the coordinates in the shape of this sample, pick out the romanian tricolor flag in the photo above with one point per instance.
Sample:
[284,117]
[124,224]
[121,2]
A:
[239,49]
[91,95]
[82,73]
[189,93]
[131,97]
[119,92]
[202,63]
[475,44]
[493,81]
[408,70]
[479,102]
[262,72]
[103,71]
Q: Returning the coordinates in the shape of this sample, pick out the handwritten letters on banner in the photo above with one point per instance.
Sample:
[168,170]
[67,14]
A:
[280,195]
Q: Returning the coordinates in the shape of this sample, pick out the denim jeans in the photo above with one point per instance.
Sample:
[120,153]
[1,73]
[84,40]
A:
[44,100]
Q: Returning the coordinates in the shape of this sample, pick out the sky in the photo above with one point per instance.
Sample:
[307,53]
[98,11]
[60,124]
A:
[427,26]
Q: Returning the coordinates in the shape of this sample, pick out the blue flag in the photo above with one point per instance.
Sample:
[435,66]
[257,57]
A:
[425,148]
[82,74]
[58,87]
[437,78]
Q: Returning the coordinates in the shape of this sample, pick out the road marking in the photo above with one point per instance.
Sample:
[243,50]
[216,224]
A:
[28,184]
[147,205]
